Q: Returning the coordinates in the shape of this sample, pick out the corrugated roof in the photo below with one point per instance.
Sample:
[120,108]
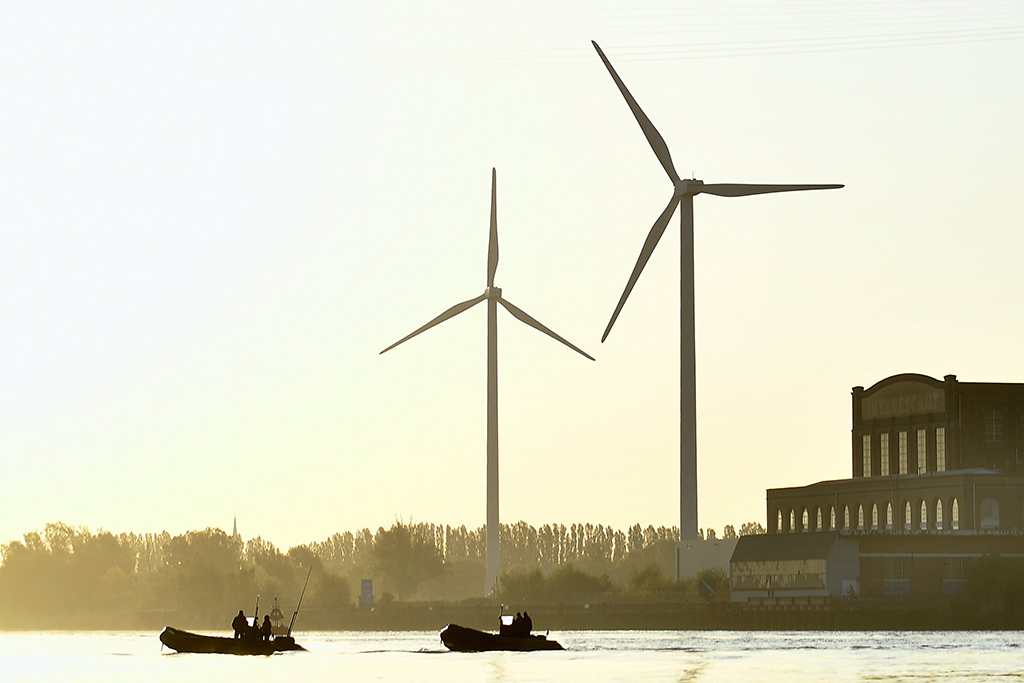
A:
[801,546]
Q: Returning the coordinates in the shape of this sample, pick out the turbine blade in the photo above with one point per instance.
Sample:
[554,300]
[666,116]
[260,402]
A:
[525,317]
[492,244]
[652,241]
[450,313]
[743,190]
[653,136]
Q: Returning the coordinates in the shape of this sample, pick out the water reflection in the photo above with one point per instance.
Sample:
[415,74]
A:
[593,657]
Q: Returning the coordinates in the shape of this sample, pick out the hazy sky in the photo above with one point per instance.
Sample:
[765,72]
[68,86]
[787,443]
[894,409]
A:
[215,215]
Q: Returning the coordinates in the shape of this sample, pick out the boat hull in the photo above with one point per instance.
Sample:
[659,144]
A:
[185,641]
[462,639]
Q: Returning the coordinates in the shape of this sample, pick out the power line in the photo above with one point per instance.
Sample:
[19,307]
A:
[673,51]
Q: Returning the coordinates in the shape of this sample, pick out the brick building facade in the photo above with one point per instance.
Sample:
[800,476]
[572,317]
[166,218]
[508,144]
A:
[937,482]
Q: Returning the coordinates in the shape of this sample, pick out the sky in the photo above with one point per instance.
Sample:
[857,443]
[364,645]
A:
[215,215]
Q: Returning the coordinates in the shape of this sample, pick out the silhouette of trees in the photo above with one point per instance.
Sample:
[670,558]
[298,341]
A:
[569,582]
[332,592]
[564,583]
[718,579]
[406,557]
[752,529]
[649,580]
[520,585]
[69,572]
[65,570]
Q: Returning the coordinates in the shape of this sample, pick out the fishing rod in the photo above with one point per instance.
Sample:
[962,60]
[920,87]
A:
[296,612]
[256,612]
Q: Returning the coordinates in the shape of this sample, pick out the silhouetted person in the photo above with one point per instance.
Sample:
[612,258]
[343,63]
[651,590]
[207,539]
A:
[527,624]
[267,628]
[253,632]
[517,626]
[240,624]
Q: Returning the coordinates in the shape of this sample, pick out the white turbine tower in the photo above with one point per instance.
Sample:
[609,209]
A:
[682,195]
[493,297]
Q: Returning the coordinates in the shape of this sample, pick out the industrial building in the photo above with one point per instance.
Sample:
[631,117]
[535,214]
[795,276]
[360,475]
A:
[937,482]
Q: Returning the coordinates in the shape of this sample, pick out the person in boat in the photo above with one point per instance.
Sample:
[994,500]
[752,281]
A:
[517,626]
[267,628]
[253,632]
[240,624]
[503,628]
[527,624]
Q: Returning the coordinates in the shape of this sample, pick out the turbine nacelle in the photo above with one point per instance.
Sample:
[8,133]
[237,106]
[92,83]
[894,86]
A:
[493,293]
[688,186]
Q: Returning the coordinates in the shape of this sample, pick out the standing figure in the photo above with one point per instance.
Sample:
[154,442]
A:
[267,628]
[240,624]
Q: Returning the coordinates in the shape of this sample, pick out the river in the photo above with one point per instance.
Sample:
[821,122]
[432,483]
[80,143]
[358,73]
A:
[590,656]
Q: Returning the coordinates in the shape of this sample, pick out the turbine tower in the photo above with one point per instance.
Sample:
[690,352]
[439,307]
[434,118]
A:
[683,193]
[493,297]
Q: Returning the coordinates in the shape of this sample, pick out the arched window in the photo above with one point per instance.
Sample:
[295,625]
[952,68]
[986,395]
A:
[792,521]
[860,516]
[924,515]
[778,526]
[888,516]
[818,527]
[874,517]
[955,515]
[805,521]
[938,515]
[846,518]
[832,519]
[907,519]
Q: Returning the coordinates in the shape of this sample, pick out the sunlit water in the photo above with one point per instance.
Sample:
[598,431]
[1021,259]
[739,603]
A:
[591,656]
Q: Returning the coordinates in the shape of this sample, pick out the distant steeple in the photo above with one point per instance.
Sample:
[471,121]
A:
[234,527]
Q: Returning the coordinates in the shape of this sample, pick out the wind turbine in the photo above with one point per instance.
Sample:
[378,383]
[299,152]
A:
[683,193]
[493,297]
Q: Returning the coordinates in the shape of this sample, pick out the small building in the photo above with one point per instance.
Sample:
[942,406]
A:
[777,569]
[937,481]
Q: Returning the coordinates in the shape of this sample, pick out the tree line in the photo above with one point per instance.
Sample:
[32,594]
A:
[67,575]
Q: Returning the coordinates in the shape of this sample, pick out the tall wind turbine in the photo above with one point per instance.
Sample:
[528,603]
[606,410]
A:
[682,195]
[493,297]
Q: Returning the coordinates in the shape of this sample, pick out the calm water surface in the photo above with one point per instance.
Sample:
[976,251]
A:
[591,656]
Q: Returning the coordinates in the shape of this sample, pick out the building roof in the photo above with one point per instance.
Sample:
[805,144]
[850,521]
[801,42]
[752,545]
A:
[928,379]
[768,547]
[904,377]
[972,471]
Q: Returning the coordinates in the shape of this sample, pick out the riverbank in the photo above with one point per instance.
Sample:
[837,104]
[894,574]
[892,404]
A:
[839,616]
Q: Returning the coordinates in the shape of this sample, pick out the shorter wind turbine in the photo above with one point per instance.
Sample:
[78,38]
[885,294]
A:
[493,297]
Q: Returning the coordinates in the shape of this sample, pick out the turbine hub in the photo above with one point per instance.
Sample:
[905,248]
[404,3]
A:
[688,186]
[493,293]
